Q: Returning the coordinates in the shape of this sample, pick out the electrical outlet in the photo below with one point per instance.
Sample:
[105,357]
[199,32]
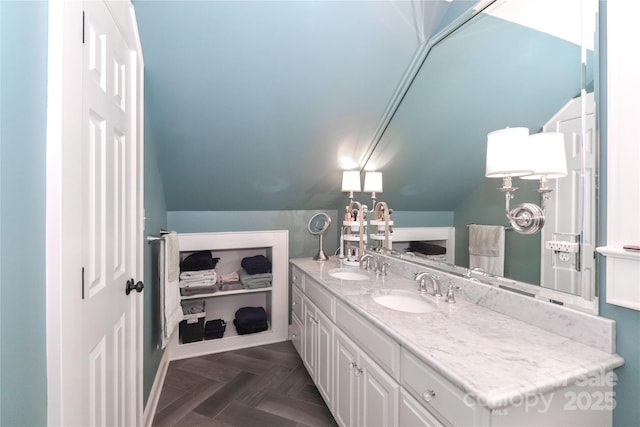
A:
[564,256]
[559,246]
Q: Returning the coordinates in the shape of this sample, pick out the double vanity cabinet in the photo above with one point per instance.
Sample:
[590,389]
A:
[458,365]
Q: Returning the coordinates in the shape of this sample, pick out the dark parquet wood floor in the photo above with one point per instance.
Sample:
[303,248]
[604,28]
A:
[258,386]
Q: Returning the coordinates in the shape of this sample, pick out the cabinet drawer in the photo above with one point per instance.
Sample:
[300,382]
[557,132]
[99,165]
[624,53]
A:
[297,277]
[437,394]
[296,302]
[376,343]
[320,297]
[411,413]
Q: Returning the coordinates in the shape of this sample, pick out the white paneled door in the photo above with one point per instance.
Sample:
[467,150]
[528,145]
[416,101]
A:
[94,214]
[571,210]
[109,222]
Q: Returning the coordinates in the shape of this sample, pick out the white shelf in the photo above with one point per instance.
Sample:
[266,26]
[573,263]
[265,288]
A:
[379,237]
[226,293]
[615,252]
[354,238]
[623,271]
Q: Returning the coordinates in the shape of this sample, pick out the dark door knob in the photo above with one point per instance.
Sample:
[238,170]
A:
[132,286]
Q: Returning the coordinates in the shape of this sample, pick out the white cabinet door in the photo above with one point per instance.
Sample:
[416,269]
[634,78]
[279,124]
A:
[317,343]
[309,326]
[324,365]
[378,397]
[345,396]
[296,334]
[364,395]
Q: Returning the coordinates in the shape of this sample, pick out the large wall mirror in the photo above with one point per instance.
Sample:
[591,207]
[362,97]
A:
[512,64]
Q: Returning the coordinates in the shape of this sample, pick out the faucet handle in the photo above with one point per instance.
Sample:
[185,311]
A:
[451,297]
[384,268]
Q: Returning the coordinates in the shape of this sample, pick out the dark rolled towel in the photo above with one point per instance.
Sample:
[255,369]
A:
[251,329]
[201,260]
[249,320]
[425,248]
[250,316]
[258,264]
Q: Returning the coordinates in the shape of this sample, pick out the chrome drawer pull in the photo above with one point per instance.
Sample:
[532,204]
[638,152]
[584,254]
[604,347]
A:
[428,395]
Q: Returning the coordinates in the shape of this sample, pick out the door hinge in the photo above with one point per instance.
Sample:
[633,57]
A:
[83,27]
[82,282]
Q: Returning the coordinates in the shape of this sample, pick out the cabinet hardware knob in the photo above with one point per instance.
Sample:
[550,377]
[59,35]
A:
[428,395]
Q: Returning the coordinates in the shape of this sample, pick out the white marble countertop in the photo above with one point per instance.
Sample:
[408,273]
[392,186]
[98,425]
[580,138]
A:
[495,358]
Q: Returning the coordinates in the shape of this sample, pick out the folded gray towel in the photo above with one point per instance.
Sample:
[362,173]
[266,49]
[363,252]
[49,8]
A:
[253,280]
[231,286]
[196,290]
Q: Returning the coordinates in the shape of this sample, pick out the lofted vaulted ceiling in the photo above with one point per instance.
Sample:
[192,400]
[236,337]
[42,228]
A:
[259,105]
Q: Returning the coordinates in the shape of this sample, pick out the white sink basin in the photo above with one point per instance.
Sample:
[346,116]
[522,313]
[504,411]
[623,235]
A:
[347,274]
[409,302]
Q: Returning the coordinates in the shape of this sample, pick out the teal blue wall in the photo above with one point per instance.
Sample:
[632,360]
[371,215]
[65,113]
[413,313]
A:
[422,219]
[301,243]
[485,205]
[627,389]
[23,64]
[155,220]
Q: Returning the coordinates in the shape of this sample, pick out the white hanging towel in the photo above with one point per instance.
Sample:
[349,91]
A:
[486,248]
[169,286]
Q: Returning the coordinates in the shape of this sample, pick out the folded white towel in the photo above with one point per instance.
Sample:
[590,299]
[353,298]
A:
[200,274]
[206,278]
[197,283]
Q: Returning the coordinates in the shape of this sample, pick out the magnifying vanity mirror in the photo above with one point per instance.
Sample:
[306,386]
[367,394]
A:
[318,226]
[513,63]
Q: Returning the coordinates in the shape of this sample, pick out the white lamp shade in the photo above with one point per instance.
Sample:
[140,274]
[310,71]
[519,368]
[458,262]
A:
[507,153]
[547,156]
[351,181]
[373,182]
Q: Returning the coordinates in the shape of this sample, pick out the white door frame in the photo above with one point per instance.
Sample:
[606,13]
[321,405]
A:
[64,204]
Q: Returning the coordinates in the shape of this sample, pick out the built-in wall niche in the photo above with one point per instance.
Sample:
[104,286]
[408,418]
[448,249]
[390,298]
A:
[231,248]
[440,236]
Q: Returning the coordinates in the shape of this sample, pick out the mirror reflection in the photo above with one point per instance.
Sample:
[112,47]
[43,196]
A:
[516,64]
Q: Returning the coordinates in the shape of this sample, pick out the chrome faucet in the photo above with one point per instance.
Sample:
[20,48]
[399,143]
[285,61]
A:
[367,259]
[435,282]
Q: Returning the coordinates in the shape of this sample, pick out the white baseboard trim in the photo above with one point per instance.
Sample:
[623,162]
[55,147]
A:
[156,389]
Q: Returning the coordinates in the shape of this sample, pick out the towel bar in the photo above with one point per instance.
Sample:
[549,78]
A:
[506,227]
[161,237]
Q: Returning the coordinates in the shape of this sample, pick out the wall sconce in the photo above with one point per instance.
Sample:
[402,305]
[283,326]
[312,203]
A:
[350,183]
[549,161]
[512,152]
[373,184]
